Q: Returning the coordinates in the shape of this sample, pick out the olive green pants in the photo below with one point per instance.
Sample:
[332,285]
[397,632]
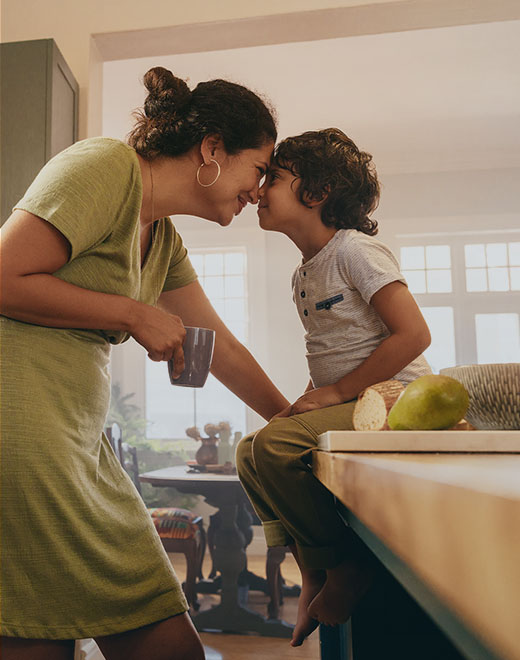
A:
[274,466]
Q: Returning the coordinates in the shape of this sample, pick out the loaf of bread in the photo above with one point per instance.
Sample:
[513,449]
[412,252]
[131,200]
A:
[373,405]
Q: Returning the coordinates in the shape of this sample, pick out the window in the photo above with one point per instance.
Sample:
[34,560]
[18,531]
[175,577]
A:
[222,275]
[467,292]
[171,410]
[427,268]
[492,266]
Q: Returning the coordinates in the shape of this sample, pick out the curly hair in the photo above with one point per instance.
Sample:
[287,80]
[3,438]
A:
[174,118]
[329,166]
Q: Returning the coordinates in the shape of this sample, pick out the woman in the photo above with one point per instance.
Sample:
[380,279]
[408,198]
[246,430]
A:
[87,254]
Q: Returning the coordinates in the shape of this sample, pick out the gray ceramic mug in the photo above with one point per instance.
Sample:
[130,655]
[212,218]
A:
[198,352]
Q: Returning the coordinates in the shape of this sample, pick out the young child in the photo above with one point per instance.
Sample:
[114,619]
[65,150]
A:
[362,326]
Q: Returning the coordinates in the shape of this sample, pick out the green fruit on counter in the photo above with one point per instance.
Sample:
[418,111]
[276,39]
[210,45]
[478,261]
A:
[428,403]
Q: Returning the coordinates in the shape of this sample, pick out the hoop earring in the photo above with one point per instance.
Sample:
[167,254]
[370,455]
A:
[207,185]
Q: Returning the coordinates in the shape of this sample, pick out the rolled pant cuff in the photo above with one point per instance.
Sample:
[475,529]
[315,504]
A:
[276,534]
[322,557]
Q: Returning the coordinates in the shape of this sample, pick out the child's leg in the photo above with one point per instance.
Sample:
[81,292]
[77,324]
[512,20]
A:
[312,583]
[275,533]
[306,509]
[312,580]
[345,585]
[303,507]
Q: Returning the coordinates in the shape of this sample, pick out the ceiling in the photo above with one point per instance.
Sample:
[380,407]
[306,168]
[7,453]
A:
[438,99]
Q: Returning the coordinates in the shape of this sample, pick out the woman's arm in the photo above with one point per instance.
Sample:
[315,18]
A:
[31,251]
[233,364]
[409,337]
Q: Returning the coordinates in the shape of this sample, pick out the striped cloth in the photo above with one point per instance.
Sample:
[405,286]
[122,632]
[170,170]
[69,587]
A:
[173,523]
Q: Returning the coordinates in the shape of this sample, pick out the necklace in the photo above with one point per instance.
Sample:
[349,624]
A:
[151,185]
[155,283]
[152,213]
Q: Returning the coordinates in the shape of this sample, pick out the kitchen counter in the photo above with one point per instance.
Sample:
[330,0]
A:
[453,520]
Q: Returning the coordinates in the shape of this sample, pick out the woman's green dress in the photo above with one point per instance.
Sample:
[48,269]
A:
[79,553]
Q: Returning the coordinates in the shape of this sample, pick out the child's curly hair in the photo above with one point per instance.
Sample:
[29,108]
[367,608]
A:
[328,163]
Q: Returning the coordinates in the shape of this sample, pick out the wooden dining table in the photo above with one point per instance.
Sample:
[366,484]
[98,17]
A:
[224,492]
[445,530]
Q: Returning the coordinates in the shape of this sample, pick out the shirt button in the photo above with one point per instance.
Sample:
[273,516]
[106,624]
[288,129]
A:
[305,312]
[302,294]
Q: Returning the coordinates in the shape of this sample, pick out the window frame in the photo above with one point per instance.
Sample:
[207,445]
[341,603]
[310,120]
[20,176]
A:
[466,304]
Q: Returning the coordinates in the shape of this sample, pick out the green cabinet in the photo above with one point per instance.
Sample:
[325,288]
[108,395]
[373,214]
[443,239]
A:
[39,113]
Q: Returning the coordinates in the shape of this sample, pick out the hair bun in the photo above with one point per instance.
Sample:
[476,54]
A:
[167,94]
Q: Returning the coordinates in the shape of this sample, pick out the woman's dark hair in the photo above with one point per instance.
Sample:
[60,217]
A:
[327,163]
[174,119]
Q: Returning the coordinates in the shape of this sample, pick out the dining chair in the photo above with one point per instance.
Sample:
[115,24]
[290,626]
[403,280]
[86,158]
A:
[180,530]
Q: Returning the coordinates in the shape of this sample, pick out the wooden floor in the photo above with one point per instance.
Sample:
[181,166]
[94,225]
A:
[255,647]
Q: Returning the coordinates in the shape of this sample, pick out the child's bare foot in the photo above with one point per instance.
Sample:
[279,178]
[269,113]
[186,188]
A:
[312,582]
[345,586]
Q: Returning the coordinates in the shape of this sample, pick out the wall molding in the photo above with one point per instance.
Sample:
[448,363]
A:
[377,18]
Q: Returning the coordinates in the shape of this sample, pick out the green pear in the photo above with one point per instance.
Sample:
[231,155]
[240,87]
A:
[429,402]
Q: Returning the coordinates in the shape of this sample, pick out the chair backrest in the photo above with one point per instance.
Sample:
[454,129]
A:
[114,435]
[128,458]
[126,454]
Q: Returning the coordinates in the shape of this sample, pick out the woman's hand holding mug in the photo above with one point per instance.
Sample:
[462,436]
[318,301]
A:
[161,334]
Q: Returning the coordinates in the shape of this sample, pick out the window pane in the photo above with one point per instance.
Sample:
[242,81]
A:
[514,274]
[498,279]
[438,256]
[514,254]
[412,257]
[234,286]
[476,279]
[197,261]
[439,281]
[496,254]
[441,352]
[214,287]
[234,263]
[475,256]
[416,280]
[498,338]
[214,264]
[168,408]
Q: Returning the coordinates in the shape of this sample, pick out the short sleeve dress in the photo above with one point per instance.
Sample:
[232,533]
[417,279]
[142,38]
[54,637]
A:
[79,553]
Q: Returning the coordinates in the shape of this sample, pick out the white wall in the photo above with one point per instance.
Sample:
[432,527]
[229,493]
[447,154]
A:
[436,202]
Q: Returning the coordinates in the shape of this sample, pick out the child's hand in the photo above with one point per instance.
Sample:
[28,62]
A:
[322,397]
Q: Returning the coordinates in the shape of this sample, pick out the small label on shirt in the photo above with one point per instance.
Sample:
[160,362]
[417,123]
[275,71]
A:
[327,304]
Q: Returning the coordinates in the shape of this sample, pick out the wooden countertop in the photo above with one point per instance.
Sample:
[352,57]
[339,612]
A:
[453,518]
